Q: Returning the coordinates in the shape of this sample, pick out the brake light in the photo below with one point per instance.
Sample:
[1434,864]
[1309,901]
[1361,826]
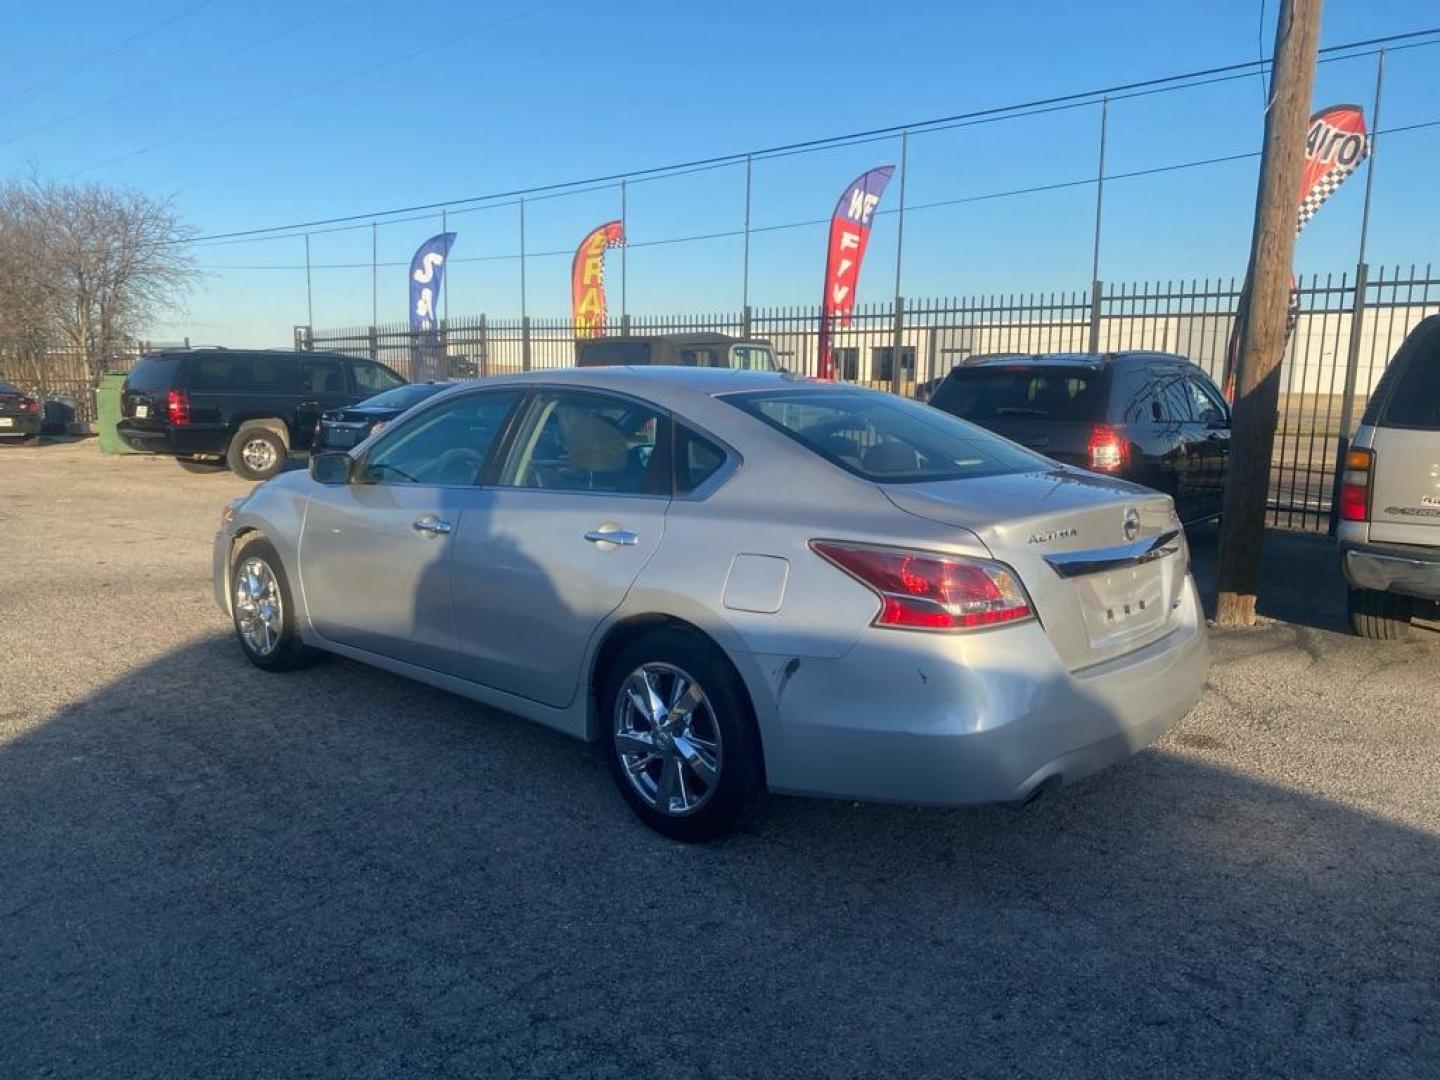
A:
[1355,485]
[922,590]
[1108,451]
[177,407]
[29,404]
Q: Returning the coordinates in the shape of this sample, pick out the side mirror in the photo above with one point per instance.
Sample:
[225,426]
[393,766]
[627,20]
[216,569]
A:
[335,467]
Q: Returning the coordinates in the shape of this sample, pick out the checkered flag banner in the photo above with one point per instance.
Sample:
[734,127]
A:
[1335,146]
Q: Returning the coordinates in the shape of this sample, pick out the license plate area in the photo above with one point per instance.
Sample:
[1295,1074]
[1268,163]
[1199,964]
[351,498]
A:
[6,421]
[1124,605]
[142,412]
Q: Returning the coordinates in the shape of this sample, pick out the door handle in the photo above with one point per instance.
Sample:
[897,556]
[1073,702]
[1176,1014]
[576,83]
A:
[618,537]
[430,525]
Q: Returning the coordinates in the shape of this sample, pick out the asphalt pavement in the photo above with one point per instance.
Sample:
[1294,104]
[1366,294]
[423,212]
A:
[208,871]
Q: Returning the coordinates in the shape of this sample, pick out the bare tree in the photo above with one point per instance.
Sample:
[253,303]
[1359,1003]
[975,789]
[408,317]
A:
[88,266]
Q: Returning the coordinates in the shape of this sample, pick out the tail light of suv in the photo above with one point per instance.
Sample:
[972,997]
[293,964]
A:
[1108,451]
[925,590]
[1355,485]
[177,407]
[28,405]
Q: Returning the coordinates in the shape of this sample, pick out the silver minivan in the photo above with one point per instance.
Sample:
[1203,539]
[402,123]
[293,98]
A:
[1389,528]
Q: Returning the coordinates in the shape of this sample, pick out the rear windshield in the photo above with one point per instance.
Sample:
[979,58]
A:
[402,397]
[153,373]
[885,438]
[1415,401]
[987,394]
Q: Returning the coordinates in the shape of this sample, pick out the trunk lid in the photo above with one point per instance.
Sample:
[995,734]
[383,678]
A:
[1103,560]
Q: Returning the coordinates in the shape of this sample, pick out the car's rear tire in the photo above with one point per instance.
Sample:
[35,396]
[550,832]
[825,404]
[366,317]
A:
[1381,615]
[199,464]
[256,453]
[687,756]
[263,610]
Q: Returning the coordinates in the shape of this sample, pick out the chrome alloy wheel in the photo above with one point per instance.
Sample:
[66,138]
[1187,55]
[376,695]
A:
[667,738]
[259,611]
[259,455]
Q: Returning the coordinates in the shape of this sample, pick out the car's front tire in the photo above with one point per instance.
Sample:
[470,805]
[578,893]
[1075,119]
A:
[1381,615]
[263,610]
[680,736]
[256,453]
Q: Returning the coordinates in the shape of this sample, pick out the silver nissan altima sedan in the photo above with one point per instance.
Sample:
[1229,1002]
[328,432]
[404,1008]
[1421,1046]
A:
[736,582]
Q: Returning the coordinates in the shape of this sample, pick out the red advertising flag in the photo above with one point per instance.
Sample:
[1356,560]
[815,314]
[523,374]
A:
[587,279]
[849,236]
[1335,145]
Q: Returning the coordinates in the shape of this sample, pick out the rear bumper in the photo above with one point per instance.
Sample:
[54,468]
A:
[190,439]
[984,719]
[1395,568]
[22,425]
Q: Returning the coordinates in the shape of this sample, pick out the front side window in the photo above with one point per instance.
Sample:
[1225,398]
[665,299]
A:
[885,438]
[322,377]
[444,445]
[1205,405]
[372,378]
[588,442]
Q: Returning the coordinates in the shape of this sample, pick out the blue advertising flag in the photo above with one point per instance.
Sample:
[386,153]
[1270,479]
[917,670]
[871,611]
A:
[427,270]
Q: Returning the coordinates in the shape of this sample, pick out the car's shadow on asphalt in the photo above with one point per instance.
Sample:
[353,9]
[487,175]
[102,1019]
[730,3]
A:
[208,870]
[1300,576]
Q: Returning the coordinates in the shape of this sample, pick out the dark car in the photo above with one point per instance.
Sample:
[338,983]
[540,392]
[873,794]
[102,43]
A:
[677,350]
[20,415]
[340,429]
[1153,418]
[249,408]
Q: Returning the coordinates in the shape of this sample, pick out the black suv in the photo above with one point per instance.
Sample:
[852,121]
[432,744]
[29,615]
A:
[1154,418]
[249,408]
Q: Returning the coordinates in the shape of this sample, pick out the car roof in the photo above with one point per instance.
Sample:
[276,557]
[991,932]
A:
[1086,359]
[658,378]
[222,350]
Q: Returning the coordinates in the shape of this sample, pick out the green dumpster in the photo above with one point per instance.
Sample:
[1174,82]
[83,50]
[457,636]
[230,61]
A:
[107,413]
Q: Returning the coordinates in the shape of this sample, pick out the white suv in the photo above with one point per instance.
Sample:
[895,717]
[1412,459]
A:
[1390,494]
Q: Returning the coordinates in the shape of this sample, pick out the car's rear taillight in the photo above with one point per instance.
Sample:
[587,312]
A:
[924,590]
[1355,485]
[29,404]
[1108,452]
[177,407]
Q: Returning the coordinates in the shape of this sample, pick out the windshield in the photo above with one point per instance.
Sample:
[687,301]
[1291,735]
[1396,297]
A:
[987,394]
[886,438]
[402,397]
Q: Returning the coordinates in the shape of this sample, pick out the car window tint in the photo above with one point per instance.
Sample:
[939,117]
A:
[696,459]
[234,374]
[588,442]
[752,358]
[1174,395]
[693,357]
[153,373]
[985,394]
[372,378]
[444,445]
[600,353]
[1135,398]
[886,438]
[1415,401]
[322,377]
[1205,403]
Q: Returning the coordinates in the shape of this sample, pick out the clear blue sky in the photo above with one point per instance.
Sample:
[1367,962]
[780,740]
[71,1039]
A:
[247,132]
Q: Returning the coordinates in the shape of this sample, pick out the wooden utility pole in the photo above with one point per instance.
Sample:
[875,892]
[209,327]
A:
[1262,327]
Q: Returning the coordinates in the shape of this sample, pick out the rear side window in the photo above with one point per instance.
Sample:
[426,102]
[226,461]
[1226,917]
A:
[988,394]
[153,373]
[1415,400]
[884,438]
[696,460]
[236,374]
[1173,394]
[604,353]
[322,377]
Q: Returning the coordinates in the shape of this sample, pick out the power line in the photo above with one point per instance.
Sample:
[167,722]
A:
[783,226]
[290,99]
[171,75]
[110,50]
[1122,91]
